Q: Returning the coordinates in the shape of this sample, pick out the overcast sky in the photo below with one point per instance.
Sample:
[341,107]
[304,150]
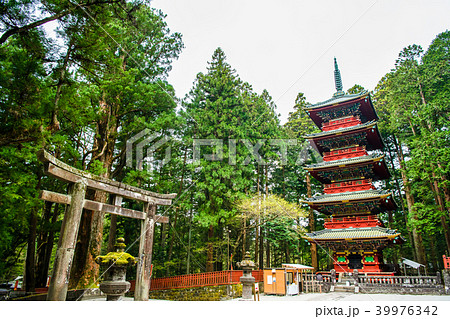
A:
[288,46]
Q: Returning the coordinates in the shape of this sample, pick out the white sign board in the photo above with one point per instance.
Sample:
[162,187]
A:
[269,280]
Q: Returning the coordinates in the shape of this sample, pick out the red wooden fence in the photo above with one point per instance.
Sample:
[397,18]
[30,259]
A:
[446,262]
[202,279]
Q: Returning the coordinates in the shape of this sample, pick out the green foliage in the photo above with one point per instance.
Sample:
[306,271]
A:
[355,89]
[270,207]
[412,101]
[81,99]
[298,121]
[222,108]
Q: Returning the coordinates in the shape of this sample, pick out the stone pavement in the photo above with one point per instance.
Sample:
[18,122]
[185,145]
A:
[331,296]
[345,296]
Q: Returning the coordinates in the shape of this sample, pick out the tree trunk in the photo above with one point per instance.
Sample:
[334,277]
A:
[210,252]
[434,256]
[90,272]
[417,237]
[42,244]
[54,125]
[261,247]
[90,236]
[51,239]
[257,243]
[172,240]
[288,255]
[218,265]
[446,231]
[116,201]
[172,237]
[162,245]
[258,191]
[188,262]
[244,235]
[112,233]
[266,182]
[29,278]
[267,253]
[435,186]
[441,205]
[402,204]
[445,190]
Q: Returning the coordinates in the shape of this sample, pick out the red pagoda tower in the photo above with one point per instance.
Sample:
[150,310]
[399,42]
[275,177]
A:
[353,230]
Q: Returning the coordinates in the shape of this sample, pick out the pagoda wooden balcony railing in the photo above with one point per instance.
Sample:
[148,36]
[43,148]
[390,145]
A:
[350,186]
[341,123]
[342,141]
[355,222]
[350,152]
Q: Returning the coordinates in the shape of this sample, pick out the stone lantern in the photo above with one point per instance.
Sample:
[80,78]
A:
[247,280]
[115,285]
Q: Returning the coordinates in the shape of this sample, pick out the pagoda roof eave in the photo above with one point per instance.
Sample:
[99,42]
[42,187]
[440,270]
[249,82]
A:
[373,139]
[341,130]
[335,100]
[366,107]
[345,162]
[376,162]
[349,234]
[347,197]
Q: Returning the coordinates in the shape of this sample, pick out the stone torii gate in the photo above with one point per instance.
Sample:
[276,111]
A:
[79,182]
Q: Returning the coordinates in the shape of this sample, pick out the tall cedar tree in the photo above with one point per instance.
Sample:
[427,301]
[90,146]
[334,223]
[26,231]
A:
[217,111]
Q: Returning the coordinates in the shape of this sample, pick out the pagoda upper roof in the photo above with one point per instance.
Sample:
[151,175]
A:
[376,163]
[348,197]
[365,202]
[365,107]
[366,133]
[362,233]
[337,100]
[344,162]
[340,130]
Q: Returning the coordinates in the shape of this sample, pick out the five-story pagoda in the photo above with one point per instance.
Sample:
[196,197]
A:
[353,230]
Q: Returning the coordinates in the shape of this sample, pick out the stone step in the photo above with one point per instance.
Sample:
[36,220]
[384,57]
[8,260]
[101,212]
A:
[344,283]
[344,288]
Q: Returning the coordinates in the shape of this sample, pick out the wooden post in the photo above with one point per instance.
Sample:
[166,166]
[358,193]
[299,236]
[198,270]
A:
[301,279]
[117,201]
[312,225]
[145,254]
[67,242]
[313,287]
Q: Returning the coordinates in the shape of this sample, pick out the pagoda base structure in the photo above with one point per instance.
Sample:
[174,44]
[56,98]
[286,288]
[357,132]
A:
[364,262]
[359,248]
